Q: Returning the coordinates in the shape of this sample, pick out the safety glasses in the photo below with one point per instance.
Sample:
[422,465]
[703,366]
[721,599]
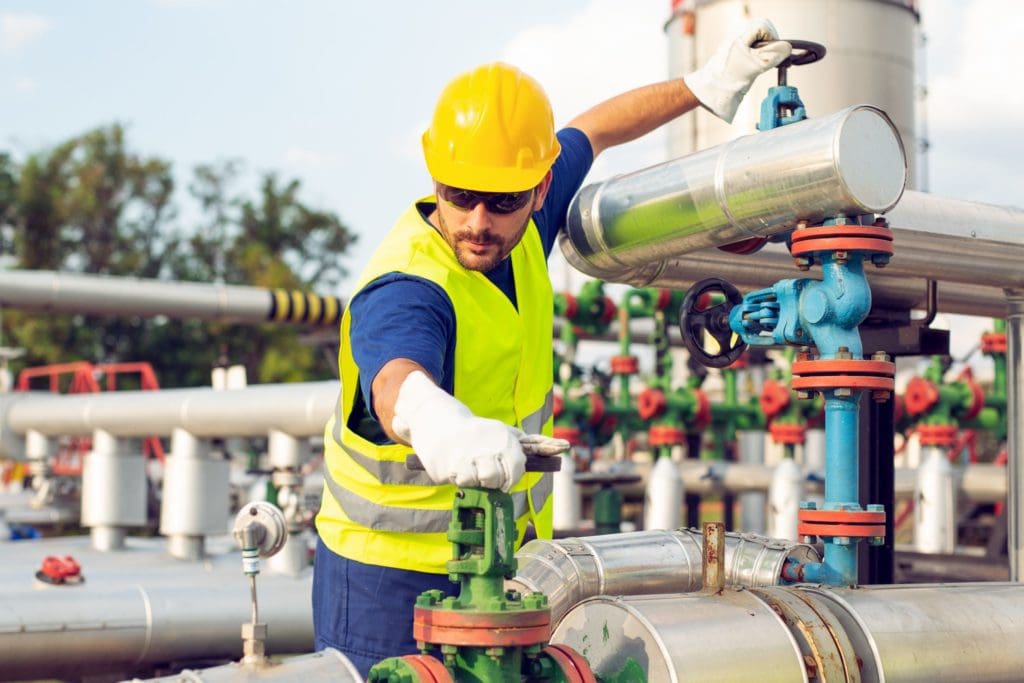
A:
[496,202]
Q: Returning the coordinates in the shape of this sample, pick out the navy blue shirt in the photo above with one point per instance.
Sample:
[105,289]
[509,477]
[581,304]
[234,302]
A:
[405,316]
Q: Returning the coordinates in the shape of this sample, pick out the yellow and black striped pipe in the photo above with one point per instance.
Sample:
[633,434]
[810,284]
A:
[294,306]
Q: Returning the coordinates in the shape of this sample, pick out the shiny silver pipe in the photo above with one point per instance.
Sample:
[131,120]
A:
[49,290]
[851,162]
[773,263]
[570,570]
[896,634]
[946,240]
[326,666]
[1015,431]
[952,240]
[300,409]
[60,632]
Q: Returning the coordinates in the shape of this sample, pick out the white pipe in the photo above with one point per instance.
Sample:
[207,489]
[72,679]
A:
[663,499]
[784,496]
[299,409]
[935,503]
[566,499]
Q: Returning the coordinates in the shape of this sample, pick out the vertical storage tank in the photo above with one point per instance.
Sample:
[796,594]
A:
[872,47]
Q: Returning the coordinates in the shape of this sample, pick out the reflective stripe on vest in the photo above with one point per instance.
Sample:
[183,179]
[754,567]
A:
[541,491]
[385,518]
[534,423]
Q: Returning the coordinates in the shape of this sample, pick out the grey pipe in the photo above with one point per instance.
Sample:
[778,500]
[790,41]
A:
[572,569]
[66,631]
[980,482]
[848,163]
[48,290]
[326,666]
[1015,435]
[976,247]
[299,409]
[773,263]
[896,634]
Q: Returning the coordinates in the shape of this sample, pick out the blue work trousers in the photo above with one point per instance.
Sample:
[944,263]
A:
[364,610]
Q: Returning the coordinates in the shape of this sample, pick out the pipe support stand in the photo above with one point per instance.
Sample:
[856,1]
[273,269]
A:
[1015,423]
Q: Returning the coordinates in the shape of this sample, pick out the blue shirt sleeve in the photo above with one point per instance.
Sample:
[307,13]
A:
[402,316]
[567,176]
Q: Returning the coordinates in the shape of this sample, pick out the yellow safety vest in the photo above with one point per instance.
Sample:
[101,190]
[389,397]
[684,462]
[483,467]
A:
[376,511]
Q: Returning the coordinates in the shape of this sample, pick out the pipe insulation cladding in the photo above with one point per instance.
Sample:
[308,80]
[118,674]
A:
[572,569]
[896,634]
[851,162]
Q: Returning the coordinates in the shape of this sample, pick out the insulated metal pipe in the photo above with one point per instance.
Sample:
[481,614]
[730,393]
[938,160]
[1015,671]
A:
[848,163]
[936,238]
[104,294]
[60,632]
[326,666]
[300,409]
[1015,430]
[570,570]
[895,634]
[773,263]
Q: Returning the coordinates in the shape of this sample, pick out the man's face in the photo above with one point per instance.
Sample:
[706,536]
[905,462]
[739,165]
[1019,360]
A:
[480,237]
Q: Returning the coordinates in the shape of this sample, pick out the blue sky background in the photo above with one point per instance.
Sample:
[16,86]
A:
[337,93]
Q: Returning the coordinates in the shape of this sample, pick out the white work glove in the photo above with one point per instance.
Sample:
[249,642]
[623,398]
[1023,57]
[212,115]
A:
[538,444]
[723,81]
[453,444]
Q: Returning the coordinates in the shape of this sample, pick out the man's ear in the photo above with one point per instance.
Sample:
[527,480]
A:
[542,192]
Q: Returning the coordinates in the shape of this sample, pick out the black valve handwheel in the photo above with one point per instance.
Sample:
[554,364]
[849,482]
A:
[804,52]
[694,321]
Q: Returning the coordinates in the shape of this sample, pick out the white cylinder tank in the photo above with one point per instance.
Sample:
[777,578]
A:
[663,499]
[784,496]
[871,59]
[935,503]
[567,498]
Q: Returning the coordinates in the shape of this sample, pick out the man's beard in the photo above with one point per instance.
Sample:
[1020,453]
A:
[468,260]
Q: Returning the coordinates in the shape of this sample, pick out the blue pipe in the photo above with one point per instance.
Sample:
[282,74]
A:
[842,431]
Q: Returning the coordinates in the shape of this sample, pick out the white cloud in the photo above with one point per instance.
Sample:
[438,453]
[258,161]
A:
[605,49]
[309,159]
[983,84]
[19,29]
[975,99]
[24,85]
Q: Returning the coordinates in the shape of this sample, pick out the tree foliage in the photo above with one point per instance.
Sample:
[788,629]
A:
[92,205]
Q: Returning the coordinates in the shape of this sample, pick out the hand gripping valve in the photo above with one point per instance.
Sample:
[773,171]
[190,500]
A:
[486,633]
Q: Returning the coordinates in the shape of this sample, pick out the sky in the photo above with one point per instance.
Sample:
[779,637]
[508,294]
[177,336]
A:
[337,93]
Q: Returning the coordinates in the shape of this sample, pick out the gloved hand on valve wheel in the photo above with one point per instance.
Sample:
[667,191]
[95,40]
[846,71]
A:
[723,81]
[455,445]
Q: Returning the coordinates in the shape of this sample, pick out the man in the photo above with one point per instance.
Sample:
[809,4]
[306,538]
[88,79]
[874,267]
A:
[446,342]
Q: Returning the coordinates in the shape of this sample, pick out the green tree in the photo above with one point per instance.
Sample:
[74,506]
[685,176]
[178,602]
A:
[92,205]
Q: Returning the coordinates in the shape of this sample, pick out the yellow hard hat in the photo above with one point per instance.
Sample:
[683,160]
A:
[492,131]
